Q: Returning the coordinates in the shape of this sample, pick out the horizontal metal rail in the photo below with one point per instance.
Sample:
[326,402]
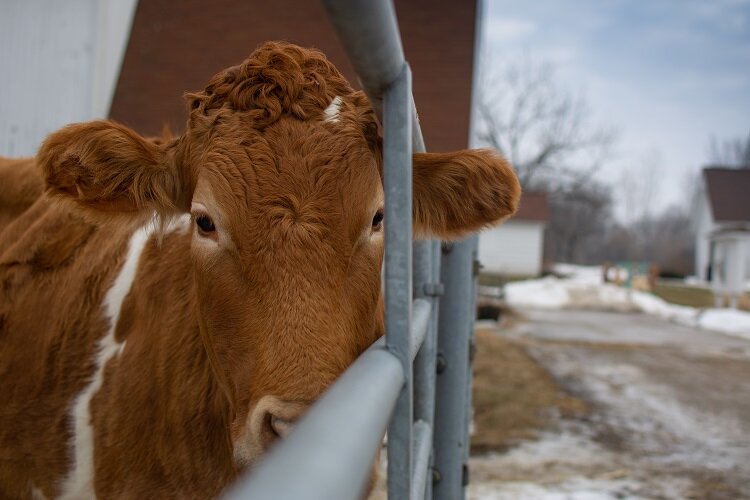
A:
[420,323]
[345,426]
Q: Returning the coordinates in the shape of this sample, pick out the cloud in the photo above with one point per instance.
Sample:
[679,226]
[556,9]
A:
[506,29]
[667,74]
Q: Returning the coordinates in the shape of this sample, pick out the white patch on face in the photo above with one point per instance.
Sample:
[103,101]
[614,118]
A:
[80,481]
[331,113]
[179,225]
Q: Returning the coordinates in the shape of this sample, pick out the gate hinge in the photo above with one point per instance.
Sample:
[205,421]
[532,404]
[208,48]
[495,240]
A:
[434,289]
[477,266]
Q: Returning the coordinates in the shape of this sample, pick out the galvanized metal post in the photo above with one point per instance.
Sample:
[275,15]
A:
[397,158]
[473,242]
[426,286]
[454,333]
[454,408]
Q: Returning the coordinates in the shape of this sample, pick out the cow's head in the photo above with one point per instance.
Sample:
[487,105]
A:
[280,168]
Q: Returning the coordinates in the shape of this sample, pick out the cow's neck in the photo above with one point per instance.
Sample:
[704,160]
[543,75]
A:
[164,371]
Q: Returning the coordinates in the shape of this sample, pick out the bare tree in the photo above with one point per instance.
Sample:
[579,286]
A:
[670,244]
[579,217]
[638,186]
[544,131]
[730,153]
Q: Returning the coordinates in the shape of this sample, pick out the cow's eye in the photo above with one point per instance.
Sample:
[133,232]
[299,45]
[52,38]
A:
[377,220]
[205,224]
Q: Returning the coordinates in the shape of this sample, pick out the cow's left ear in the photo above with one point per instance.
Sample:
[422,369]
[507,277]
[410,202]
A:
[458,193]
[106,167]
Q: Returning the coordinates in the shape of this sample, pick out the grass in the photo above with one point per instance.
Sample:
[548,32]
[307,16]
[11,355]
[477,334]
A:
[685,295]
[513,395]
[692,296]
[496,280]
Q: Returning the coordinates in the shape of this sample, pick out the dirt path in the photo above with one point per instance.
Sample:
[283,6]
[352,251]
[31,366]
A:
[670,418]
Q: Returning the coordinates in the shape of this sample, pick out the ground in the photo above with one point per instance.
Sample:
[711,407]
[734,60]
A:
[621,405]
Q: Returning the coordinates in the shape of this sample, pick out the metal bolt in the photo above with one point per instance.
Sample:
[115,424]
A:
[436,476]
[440,363]
[476,267]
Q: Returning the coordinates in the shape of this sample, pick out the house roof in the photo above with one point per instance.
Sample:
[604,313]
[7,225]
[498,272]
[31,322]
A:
[728,192]
[533,207]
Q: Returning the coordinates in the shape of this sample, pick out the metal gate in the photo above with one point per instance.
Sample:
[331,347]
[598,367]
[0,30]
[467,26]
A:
[416,381]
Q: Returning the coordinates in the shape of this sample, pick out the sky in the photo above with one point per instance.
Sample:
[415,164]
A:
[666,75]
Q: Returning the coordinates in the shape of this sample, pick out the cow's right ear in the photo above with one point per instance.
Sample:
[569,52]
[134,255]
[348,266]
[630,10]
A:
[106,167]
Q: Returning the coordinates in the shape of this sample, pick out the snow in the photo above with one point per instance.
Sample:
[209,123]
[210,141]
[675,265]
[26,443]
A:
[730,321]
[577,488]
[582,287]
[567,465]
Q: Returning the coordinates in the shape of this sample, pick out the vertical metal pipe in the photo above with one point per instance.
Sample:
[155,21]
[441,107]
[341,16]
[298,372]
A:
[435,272]
[456,320]
[369,33]
[397,158]
[451,428]
[473,243]
[424,364]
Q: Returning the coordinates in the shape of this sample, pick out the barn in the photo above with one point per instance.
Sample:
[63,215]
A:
[131,61]
[515,248]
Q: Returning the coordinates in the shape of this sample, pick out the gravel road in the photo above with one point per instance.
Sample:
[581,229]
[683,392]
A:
[670,419]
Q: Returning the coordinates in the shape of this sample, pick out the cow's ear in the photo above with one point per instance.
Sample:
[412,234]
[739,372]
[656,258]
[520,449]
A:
[106,167]
[458,193]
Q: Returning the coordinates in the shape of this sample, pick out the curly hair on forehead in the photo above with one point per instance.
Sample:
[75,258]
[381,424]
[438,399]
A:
[278,78]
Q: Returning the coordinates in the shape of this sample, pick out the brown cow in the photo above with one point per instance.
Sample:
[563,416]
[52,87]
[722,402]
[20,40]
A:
[156,357]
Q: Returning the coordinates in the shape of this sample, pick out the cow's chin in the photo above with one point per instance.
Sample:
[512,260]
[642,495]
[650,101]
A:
[270,419]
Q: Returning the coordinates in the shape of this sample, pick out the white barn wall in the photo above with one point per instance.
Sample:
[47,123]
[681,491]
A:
[703,229]
[515,248]
[60,62]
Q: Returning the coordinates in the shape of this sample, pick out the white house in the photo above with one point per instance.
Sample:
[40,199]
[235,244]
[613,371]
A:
[515,248]
[60,63]
[722,223]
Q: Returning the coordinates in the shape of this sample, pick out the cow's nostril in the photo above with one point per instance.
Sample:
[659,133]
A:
[270,419]
[280,426]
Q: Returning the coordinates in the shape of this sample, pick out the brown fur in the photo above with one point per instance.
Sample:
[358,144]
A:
[20,187]
[276,302]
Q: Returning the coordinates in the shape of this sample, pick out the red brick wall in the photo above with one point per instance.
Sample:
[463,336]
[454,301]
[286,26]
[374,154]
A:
[177,46]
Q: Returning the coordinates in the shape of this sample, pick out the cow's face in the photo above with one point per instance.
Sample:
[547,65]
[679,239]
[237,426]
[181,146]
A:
[287,248]
[280,169]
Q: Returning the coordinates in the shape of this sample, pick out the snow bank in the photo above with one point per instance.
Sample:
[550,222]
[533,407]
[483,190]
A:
[565,466]
[577,488]
[583,288]
[730,321]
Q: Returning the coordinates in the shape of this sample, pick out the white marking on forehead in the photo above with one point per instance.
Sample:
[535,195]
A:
[80,480]
[179,225]
[331,113]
